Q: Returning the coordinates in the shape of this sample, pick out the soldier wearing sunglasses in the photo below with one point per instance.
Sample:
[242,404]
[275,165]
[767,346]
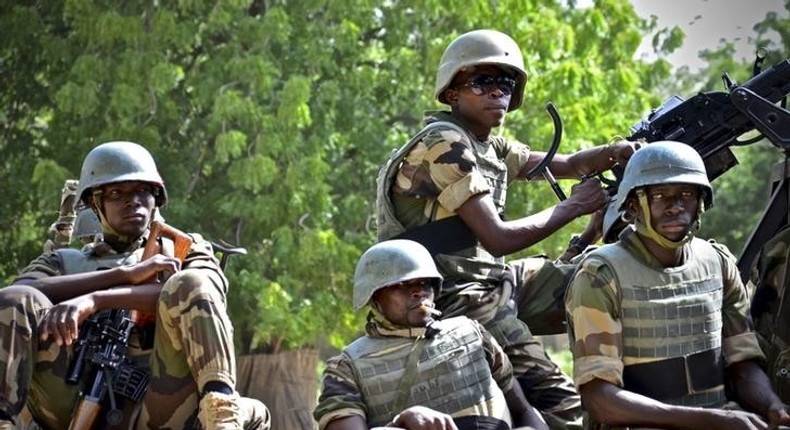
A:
[446,189]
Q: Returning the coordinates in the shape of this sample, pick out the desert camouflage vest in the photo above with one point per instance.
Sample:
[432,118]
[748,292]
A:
[672,314]
[472,263]
[452,373]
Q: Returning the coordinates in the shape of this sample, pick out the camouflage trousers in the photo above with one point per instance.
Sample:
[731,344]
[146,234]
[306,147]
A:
[193,344]
[495,307]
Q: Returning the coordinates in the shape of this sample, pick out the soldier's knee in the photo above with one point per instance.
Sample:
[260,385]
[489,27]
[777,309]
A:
[22,295]
[188,283]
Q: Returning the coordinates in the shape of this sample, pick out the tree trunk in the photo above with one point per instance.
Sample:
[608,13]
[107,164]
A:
[287,382]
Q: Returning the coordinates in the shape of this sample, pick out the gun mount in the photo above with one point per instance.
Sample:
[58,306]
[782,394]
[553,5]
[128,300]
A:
[712,122]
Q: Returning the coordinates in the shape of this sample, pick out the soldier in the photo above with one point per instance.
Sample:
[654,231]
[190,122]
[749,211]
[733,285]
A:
[771,310]
[192,362]
[60,232]
[446,189]
[410,370]
[658,320]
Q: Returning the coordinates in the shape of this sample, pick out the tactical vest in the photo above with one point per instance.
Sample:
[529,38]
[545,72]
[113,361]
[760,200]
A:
[77,261]
[452,373]
[672,314]
[472,262]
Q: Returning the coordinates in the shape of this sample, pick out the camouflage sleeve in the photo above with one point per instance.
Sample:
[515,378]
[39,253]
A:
[769,276]
[514,153]
[340,395]
[594,326]
[44,266]
[739,339]
[501,368]
[441,166]
[201,257]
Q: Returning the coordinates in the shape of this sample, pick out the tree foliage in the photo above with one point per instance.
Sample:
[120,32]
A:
[742,193]
[269,120]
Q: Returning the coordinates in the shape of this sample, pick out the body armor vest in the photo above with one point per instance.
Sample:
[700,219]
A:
[76,261]
[452,373]
[473,263]
[671,313]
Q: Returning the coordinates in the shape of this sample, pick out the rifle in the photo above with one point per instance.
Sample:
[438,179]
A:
[712,122]
[103,344]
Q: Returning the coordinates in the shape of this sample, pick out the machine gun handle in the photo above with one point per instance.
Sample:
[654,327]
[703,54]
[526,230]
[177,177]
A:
[543,166]
[226,250]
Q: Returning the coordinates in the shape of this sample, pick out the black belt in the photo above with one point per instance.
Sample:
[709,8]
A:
[676,377]
[445,236]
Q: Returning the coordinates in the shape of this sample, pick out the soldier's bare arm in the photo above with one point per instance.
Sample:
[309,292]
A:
[505,237]
[63,320]
[608,403]
[65,287]
[754,392]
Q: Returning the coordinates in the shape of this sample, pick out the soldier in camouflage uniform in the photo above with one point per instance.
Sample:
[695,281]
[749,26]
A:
[658,321]
[771,309]
[446,189]
[413,371]
[192,363]
[60,232]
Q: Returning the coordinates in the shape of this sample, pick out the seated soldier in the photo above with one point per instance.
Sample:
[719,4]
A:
[771,309]
[410,370]
[192,364]
[658,320]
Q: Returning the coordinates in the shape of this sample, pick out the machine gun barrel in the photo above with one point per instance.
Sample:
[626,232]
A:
[710,122]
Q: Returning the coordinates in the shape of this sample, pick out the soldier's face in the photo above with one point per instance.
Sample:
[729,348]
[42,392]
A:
[406,304]
[481,95]
[128,206]
[673,208]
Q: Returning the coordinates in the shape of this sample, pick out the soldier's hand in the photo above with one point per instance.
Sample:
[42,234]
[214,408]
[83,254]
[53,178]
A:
[622,150]
[734,420]
[778,415]
[150,268]
[422,418]
[63,320]
[589,195]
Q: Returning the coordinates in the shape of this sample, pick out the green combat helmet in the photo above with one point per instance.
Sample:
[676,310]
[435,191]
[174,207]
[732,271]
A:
[663,162]
[118,162]
[388,263]
[477,48]
[87,225]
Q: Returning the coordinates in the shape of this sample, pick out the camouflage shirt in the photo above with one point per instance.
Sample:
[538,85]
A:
[594,316]
[439,174]
[341,394]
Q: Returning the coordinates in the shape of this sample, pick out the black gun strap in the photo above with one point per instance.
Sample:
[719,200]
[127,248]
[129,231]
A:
[676,377]
[445,236]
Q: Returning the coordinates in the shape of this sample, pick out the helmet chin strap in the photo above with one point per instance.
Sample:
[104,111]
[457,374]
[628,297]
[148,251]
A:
[646,229]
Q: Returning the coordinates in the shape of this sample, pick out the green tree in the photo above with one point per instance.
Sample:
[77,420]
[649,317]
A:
[742,192]
[269,120]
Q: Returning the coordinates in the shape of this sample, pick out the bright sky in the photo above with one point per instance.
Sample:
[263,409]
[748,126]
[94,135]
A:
[707,22]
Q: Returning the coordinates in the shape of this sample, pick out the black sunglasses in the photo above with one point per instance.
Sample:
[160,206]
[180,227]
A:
[483,84]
